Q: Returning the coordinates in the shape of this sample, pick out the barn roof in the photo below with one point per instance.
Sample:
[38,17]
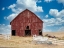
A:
[29,11]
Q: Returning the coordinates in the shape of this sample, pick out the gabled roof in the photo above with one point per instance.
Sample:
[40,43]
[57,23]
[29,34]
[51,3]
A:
[29,11]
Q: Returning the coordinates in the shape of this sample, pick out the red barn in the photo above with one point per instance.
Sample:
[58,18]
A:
[26,24]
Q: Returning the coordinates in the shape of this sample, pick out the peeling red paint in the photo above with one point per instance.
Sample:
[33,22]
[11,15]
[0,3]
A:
[26,18]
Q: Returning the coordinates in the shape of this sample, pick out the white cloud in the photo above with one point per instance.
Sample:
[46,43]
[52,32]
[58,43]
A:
[61,29]
[11,17]
[39,9]
[53,12]
[53,21]
[59,16]
[23,4]
[47,30]
[61,1]
[49,22]
[5,29]
[48,1]
[57,20]
[46,16]
[12,6]
[3,8]
[56,13]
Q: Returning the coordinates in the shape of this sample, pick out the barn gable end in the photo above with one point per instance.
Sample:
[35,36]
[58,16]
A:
[26,15]
[24,20]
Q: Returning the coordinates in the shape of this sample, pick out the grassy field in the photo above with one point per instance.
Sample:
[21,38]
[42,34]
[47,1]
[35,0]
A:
[26,42]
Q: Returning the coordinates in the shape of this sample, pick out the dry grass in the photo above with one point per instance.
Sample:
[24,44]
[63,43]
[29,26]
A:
[57,34]
[26,42]
[62,38]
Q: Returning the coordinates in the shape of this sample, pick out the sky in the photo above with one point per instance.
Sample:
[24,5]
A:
[51,12]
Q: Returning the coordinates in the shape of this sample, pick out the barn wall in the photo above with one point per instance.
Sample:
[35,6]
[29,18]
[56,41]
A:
[24,19]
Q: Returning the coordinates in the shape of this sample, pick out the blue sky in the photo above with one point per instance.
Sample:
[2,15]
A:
[50,11]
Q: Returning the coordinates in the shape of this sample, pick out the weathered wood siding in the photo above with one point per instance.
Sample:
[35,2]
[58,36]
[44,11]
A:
[26,18]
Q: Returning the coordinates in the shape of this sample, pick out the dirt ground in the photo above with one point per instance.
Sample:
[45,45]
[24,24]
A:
[26,42]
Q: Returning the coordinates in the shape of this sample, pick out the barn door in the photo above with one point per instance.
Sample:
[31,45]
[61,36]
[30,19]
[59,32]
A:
[40,32]
[27,31]
[13,32]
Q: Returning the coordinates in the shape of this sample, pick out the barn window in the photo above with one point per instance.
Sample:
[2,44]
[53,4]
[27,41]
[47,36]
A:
[40,32]
[13,32]
[27,27]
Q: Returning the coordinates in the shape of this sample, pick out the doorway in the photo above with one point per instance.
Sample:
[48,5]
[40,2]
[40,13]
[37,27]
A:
[40,32]
[13,32]
[27,32]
